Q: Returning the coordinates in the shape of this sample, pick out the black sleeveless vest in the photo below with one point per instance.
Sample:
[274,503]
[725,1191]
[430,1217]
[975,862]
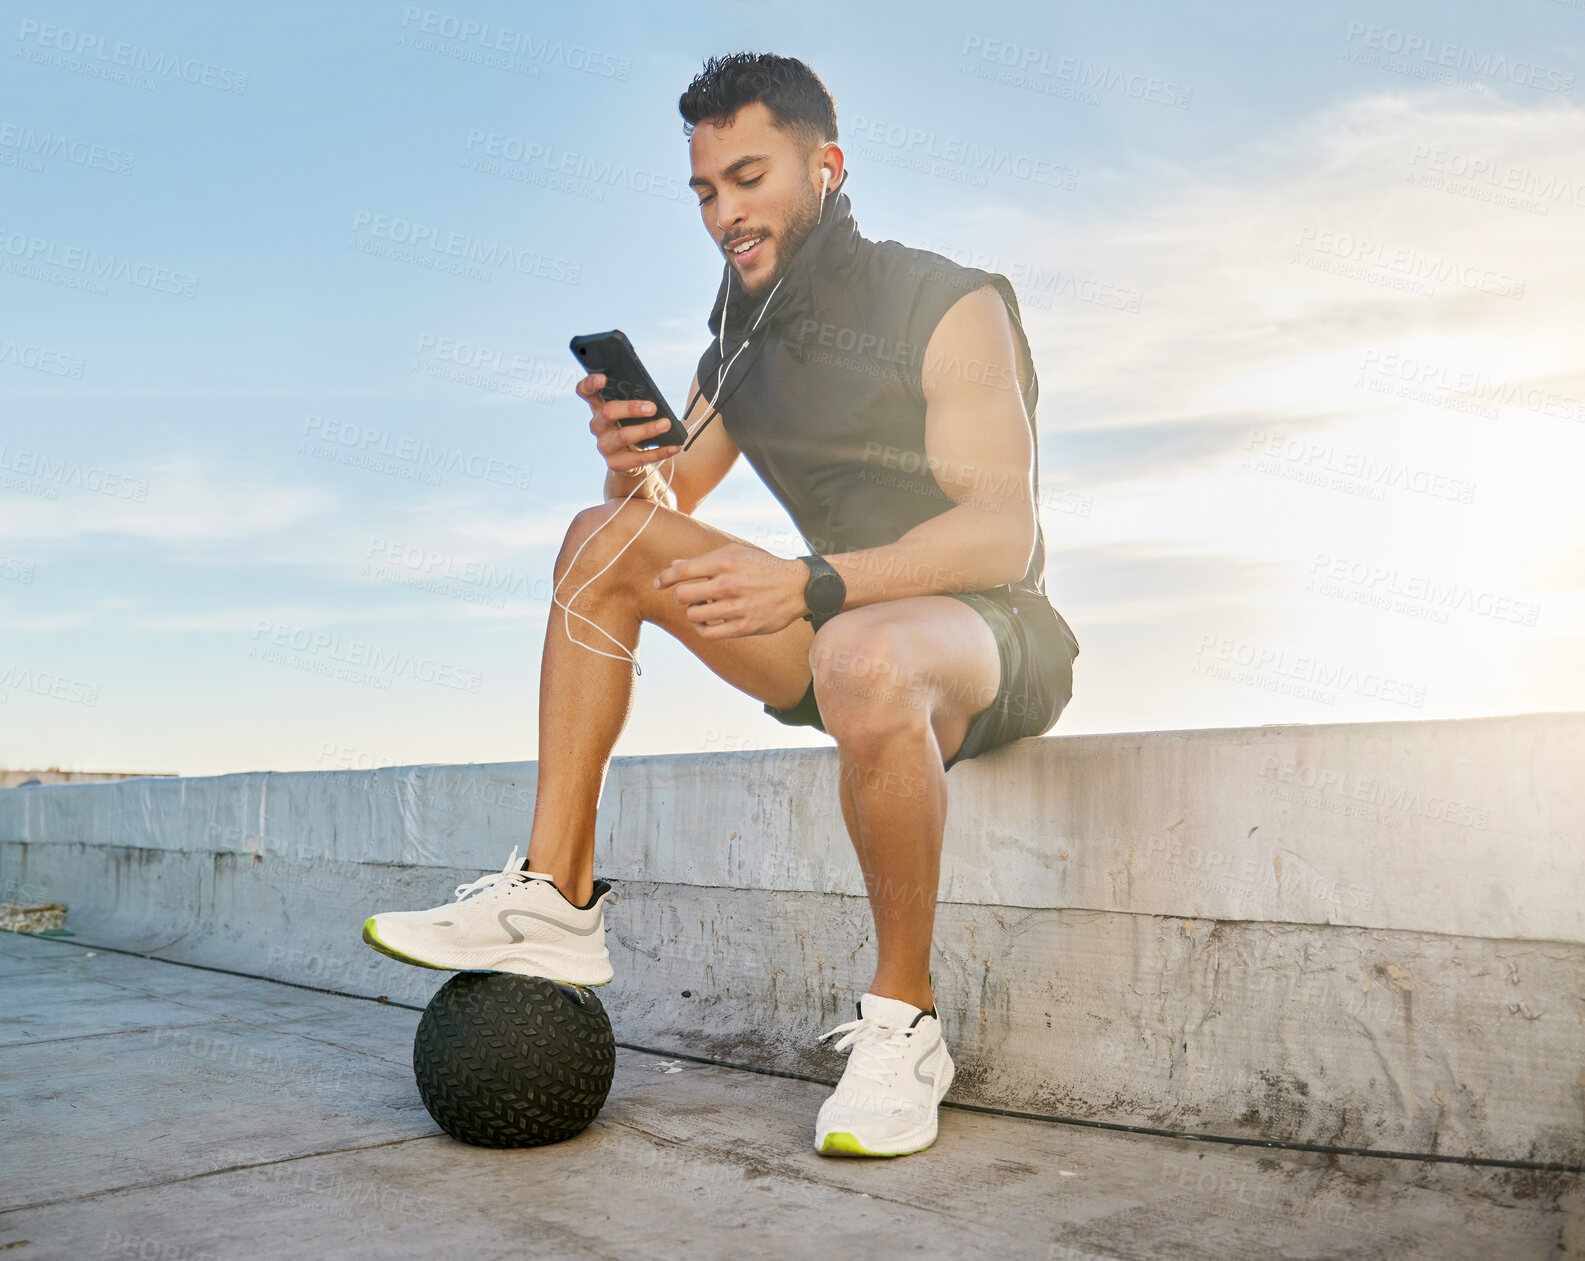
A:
[826,402]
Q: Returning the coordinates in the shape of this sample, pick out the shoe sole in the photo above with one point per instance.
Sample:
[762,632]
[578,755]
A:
[371,935]
[846,1143]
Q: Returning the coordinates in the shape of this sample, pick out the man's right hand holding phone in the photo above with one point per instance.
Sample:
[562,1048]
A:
[627,463]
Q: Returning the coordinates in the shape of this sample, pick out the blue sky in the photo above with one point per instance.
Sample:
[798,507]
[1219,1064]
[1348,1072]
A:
[1302,284]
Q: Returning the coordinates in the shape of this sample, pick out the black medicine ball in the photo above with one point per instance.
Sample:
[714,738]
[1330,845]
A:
[513,1061]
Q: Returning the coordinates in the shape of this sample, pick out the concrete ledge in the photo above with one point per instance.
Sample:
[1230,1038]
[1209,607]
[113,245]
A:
[1364,935]
[1374,825]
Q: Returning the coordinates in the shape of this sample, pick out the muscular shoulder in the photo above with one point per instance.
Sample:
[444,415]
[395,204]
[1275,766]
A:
[956,311]
[973,342]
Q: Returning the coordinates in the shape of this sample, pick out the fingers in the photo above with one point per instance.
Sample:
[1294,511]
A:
[711,615]
[711,603]
[696,591]
[611,438]
[672,574]
[613,411]
[726,628]
[711,576]
[620,456]
[616,440]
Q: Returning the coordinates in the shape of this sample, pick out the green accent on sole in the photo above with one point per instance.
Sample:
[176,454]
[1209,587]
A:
[372,937]
[842,1143]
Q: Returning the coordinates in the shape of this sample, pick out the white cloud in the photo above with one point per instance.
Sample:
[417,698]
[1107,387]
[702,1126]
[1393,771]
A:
[169,500]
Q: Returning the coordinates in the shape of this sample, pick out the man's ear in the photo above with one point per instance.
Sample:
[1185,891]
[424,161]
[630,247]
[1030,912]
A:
[825,154]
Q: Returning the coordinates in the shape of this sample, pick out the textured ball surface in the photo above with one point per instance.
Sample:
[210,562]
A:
[513,1061]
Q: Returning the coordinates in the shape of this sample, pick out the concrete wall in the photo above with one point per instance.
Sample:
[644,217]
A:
[1366,934]
[12,779]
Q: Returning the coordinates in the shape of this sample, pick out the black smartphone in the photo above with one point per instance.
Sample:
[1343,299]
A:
[627,380]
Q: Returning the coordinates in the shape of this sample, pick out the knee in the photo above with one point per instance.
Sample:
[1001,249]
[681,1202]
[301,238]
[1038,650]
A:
[597,533]
[867,692]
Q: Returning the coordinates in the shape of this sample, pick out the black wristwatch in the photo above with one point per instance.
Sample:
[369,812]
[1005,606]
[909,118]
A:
[825,592]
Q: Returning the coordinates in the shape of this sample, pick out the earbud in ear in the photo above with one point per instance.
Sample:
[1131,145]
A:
[825,177]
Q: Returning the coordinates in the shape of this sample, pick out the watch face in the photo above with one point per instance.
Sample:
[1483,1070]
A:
[826,593]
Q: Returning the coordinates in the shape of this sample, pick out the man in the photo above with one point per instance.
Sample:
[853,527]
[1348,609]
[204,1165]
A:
[886,396]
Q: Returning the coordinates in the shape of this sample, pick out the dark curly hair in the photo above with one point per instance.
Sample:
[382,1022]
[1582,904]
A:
[792,92]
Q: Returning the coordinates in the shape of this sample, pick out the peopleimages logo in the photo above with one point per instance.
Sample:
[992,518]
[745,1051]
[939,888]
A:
[1394,798]
[1425,379]
[130,59]
[14,569]
[49,144]
[1499,176]
[57,687]
[53,363]
[1025,66]
[1385,586]
[1410,263]
[1437,53]
[1356,472]
[24,254]
[446,574]
[431,246]
[491,368]
[1299,674]
[466,31]
[549,160]
[918,144]
[321,652]
[52,473]
[423,460]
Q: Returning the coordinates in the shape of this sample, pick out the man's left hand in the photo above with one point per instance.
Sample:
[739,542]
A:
[737,590]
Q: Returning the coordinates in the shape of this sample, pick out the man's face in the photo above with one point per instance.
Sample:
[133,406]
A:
[753,182]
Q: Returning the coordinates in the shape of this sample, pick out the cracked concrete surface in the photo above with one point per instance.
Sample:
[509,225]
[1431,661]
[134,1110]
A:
[154,1110]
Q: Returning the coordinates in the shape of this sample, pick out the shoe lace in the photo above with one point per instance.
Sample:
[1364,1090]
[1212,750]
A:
[873,1050]
[508,875]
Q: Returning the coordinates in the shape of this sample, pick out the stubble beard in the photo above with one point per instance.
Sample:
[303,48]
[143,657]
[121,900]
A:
[788,242]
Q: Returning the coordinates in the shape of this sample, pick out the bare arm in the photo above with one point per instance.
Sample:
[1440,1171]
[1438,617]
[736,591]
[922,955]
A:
[977,442]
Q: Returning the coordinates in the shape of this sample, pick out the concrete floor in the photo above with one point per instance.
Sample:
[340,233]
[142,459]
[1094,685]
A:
[157,1111]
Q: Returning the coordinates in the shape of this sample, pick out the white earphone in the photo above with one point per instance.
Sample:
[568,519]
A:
[720,375]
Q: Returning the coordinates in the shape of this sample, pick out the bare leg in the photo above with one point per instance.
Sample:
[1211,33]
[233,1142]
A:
[926,672]
[898,839]
[585,699]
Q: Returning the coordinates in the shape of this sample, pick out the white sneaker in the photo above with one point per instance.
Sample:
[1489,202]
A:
[508,921]
[897,1073]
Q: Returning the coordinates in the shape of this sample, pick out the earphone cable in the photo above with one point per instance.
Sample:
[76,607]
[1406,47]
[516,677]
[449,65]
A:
[568,612]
